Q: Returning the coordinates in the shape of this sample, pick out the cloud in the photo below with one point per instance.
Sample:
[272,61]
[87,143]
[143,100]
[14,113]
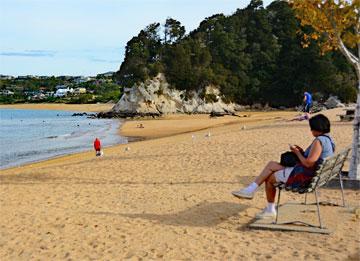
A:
[104,60]
[30,53]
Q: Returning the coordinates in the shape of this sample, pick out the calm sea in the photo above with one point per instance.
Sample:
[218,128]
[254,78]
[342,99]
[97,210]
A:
[34,135]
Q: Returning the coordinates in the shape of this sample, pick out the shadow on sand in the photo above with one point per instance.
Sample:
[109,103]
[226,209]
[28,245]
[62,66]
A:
[204,214]
[48,178]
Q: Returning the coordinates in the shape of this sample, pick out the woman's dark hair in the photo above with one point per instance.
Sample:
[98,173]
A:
[320,123]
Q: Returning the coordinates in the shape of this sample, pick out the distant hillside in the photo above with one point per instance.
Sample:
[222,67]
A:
[60,89]
[253,56]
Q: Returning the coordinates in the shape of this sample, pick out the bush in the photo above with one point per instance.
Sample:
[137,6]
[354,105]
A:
[108,96]
[81,99]
[347,94]
[210,97]
[11,99]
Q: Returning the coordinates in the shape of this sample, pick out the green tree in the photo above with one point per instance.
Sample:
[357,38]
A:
[263,48]
[142,54]
[173,31]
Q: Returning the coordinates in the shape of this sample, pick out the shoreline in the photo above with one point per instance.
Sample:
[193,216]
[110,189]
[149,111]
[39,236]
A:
[164,127]
[176,124]
[60,106]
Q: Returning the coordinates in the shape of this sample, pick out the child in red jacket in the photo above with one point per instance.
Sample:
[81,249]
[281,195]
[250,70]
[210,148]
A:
[97,147]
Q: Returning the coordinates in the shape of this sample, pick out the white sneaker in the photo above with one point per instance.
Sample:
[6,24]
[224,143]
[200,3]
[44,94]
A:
[243,193]
[266,214]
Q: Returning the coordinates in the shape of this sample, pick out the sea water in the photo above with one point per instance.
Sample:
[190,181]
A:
[33,135]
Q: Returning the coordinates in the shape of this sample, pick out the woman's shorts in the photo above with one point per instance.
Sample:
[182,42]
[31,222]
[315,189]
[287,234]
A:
[283,174]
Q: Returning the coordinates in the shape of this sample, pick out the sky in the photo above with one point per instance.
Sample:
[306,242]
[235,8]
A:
[87,37]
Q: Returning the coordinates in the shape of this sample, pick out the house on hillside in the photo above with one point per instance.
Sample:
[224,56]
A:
[6,77]
[63,90]
[61,86]
[6,92]
[37,97]
[80,90]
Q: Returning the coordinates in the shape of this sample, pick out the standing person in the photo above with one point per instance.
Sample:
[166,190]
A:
[322,146]
[307,101]
[97,147]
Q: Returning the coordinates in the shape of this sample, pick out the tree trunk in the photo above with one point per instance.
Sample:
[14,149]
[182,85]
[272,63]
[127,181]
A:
[354,172]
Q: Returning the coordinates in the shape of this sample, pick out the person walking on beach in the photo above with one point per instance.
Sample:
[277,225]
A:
[307,102]
[97,147]
[322,146]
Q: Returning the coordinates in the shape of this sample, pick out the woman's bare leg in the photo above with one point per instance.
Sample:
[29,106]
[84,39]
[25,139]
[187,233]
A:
[270,189]
[269,169]
[267,172]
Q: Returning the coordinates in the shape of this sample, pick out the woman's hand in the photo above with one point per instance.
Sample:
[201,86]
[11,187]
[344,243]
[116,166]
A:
[299,148]
[296,149]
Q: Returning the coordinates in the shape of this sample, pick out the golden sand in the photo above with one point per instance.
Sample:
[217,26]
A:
[168,198]
[177,124]
[60,106]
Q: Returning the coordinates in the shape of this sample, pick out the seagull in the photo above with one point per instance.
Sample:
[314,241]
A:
[127,148]
[208,135]
[193,136]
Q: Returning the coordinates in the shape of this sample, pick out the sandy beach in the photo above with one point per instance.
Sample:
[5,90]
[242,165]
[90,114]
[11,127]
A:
[60,107]
[167,197]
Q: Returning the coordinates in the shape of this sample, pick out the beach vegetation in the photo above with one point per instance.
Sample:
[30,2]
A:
[210,98]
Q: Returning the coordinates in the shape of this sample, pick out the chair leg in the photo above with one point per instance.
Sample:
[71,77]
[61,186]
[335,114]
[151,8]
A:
[318,208]
[277,206]
[305,199]
[342,188]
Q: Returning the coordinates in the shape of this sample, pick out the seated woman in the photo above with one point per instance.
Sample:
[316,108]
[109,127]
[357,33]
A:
[302,117]
[321,147]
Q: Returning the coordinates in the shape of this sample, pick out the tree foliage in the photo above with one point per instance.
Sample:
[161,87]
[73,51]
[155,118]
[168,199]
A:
[253,56]
[142,55]
[334,22]
[173,31]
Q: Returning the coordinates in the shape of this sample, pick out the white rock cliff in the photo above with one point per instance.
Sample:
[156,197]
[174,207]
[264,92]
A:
[156,97]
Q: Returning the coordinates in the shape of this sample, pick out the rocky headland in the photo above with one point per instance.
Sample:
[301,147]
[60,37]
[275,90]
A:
[155,98]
